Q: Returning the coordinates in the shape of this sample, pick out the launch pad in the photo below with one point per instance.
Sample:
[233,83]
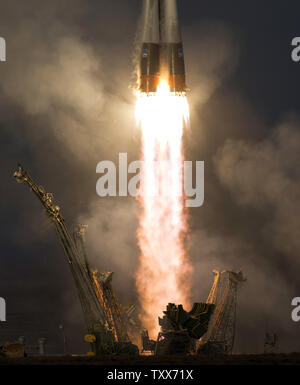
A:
[209,328]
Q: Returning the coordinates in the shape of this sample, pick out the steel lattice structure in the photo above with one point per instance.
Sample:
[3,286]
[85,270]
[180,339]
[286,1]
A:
[101,310]
[221,332]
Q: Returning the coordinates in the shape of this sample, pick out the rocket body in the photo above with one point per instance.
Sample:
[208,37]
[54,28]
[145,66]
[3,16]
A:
[161,51]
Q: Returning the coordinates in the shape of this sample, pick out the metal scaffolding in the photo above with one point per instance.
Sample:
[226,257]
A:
[102,313]
[221,331]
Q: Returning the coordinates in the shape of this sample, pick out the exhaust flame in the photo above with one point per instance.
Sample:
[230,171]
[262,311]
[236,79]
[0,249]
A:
[162,276]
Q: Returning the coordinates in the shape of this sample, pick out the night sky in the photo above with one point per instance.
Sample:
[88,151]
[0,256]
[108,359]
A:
[66,103]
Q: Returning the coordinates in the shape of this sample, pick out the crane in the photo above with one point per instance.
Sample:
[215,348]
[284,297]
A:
[106,327]
[221,331]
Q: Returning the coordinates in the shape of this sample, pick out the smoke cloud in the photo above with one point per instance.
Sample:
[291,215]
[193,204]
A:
[265,176]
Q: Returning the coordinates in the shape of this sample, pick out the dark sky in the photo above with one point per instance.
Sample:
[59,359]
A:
[66,104]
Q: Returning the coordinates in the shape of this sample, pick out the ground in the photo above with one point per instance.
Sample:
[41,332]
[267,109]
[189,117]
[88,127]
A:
[247,359]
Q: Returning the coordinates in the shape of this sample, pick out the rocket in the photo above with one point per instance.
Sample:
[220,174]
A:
[161,49]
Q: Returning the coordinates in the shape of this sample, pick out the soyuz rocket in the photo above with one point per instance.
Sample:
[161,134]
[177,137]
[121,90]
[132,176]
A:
[161,47]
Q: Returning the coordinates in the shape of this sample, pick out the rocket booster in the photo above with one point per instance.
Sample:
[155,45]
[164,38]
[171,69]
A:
[162,51]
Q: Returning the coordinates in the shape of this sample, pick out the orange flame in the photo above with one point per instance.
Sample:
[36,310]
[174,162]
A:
[162,276]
